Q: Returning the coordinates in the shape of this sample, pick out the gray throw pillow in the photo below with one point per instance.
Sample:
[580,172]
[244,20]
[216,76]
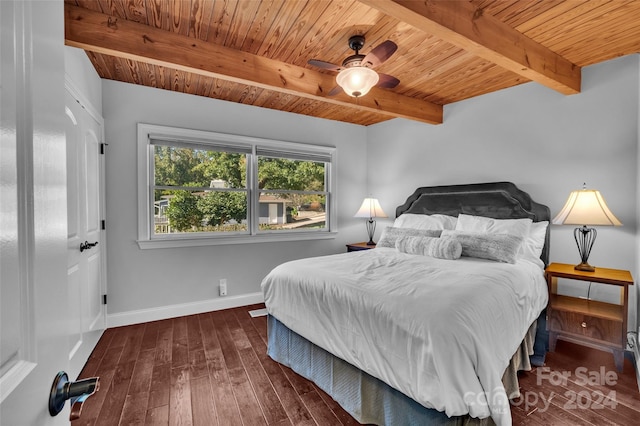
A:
[390,234]
[499,247]
[441,248]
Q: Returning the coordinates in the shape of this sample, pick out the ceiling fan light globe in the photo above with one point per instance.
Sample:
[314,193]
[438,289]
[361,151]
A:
[357,81]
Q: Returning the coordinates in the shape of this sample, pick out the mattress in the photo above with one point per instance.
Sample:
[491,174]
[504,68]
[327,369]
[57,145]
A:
[439,331]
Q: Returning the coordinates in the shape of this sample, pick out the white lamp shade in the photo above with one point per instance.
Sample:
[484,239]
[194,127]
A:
[586,207]
[357,81]
[370,208]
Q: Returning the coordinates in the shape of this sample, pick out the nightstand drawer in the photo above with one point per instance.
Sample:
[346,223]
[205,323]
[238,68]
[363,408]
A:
[580,324]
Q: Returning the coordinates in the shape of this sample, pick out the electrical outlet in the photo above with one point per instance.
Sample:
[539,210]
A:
[223,287]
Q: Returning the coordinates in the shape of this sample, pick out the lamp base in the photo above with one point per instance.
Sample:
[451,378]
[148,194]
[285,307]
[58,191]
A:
[585,237]
[584,266]
[371,229]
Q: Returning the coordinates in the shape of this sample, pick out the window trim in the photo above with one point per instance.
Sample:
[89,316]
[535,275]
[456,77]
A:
[148,132]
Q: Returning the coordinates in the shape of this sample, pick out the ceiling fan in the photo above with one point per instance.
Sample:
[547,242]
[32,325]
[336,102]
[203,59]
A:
[356,75]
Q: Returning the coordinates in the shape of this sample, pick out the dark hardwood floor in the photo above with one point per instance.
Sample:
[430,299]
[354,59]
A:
[212,369]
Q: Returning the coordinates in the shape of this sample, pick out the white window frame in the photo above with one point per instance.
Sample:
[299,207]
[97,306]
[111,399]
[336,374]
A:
[146,238]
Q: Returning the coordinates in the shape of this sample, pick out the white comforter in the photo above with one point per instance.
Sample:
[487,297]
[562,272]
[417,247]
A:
[440,331]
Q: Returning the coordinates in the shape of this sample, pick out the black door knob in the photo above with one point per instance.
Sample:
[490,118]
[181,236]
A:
[87,245]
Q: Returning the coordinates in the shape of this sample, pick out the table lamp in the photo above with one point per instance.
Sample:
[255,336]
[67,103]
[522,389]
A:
[370,208]
[585,207]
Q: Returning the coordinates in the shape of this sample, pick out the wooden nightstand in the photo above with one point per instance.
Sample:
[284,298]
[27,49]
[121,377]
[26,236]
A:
[360,246]
[589,322]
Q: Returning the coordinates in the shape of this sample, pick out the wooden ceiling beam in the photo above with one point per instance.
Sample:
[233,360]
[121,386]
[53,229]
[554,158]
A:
[464,25]
[100,33]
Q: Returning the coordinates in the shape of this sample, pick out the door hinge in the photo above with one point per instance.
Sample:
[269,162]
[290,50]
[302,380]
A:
[103,224]
[104,299]
[102,146]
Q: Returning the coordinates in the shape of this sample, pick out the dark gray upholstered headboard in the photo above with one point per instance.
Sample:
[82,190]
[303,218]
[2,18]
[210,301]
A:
[498,200]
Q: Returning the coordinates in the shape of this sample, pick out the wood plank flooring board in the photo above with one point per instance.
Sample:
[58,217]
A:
[247,401]
[344,417]
[252,333]
[111,358]
[213,369]
[116,394]
[299,383]
[157,416]
[142,373]
[231,356]
[179,347]
[202,402]
[134,411]
[319,410]
[194,334]
[262,387]
[92,365]
[261,325]
[223,394]
[291,402]
[237,332]
[106,371]
[288,397]
[180,397]
[120,335]
[198,363]
[160,386]
[210,341]
[132,344]
[164,348]
[519,417]
[223,397]
[150,336]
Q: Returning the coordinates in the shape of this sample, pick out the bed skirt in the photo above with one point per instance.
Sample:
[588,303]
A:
[368,399]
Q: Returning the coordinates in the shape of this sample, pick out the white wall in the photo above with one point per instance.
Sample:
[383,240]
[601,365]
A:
[80,71]
[153,279]
[546,143]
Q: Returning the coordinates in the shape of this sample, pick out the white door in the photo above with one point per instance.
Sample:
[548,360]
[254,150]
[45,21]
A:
[85,245]
[34,327]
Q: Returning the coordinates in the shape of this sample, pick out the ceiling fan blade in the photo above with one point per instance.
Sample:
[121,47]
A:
[325,65]
[380,53]
[387,81]
[334,91]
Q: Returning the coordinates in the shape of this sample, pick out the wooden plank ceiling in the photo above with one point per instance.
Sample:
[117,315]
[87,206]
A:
[256,52]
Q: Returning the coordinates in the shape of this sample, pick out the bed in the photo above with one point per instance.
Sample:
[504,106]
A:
[431,326]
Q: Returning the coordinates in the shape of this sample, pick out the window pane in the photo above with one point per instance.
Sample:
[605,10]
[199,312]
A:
[290,211]
[189,167]
[180,211]
[283,173]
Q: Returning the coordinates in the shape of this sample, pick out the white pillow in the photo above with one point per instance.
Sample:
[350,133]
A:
[532,246]
[425,221]
[517,227]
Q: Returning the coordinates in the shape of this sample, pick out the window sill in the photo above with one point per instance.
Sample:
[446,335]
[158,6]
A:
[245,239]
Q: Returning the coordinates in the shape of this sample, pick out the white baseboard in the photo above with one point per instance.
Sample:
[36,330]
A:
[154,314]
